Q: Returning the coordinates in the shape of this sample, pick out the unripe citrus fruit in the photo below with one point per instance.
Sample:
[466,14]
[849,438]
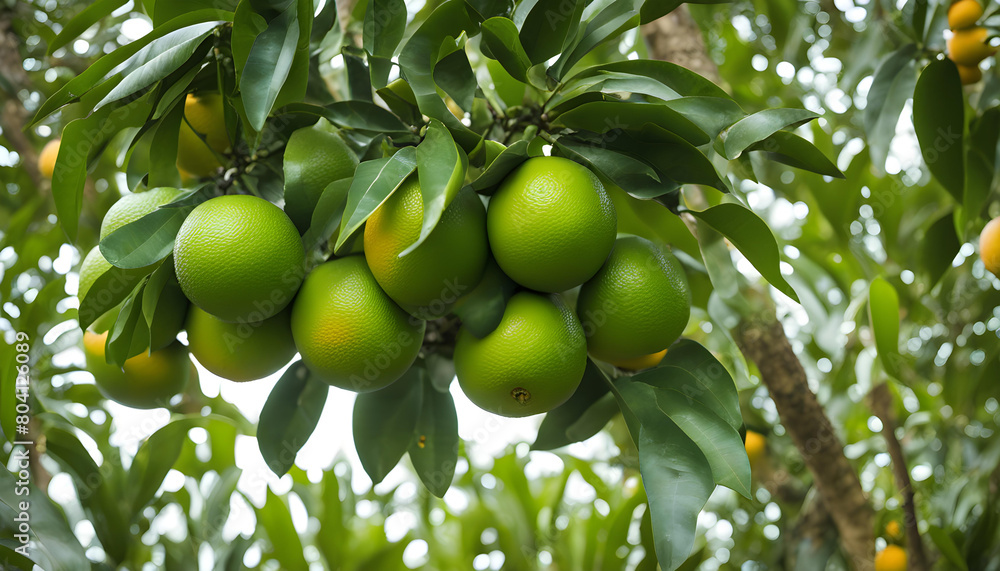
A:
[448,264]
[349,332]
[47,158]
[239,258]
[989,246]
[146,381]
[531,363]
[969,74]
[637,304]
[551,224]
[894,530]
[134,206]
[755,445]
[964,13]
[240,351]
[640,363]
[204,114]
[969,47]
[313,159]
[892,558]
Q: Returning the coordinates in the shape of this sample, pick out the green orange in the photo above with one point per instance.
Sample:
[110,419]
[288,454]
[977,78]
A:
[313,159]
[134,206]
[349,332]
[239,258]
[637,304]
[551,224]
[446,265]
[531,363]
[203,117]
[989,246]
[148,380]
[240,351]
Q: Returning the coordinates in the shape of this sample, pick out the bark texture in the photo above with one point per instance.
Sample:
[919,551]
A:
[677,38]
[762,339]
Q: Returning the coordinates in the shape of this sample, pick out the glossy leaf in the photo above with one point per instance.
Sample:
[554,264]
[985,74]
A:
[108,290]
[360,115]
[268,65]
[655,9]
[546,26]
[582,416]
[671,76]
[434,449]
[454,75]
[150,238]
[793,150]
[939,122]
[762,125]
[751,236]
[500,36]
[441,167]
[289,416]
[939,247]
[605,116]
[712,381]
[883,312]
[384,422]
[508,160]
[95,12]
[154,459]
[129,336]
[893,84]
[631,174]
[614,19]
[384,25]
[373,182]
[328,213]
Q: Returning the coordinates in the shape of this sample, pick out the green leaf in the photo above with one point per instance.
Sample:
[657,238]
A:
[359,80]
[681,397]
[631,174]
[454,75]
[482,309]
[674,77]
[384,422]
[583,415]
[56,548]
[162,300]
[939,247]
[328,213]
[87,17]
[97,71]
[546,26]
[163,161]
[617,17]
[268,66]
[326,23]
[712,114]
[500,36]
[109,289]
[939,122]
[150,238]
[153,460]
[712,381]
[883,312]
[385,24]
[373,182]
[656,9]
[893,84]
[508,160]
[359,115]
[947,547]
[762,125]
[158,60]
[793,150]
[434,449]
[286,546]
[751,236]
[289,416]
[606,116]
[129,336]
[441,167]
[166,10]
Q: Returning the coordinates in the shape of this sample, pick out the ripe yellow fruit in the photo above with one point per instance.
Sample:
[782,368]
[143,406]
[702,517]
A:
[969,47]
[892,558]
[47,158]
[349,332]
[964,13]
[240,351]
[969,74]
[755,444]
[640,363]
[637,304]
[205,115]
[551,224]
[893,530]
[989,246]
[134,206]
[313,159]
[531,363]
[146,381]
[239,258]
[448,264]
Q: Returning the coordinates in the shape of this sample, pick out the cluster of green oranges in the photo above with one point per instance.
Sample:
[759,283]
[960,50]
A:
[969,43]
[359,321]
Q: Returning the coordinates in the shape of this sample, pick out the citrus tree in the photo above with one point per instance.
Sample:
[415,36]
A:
[519,197]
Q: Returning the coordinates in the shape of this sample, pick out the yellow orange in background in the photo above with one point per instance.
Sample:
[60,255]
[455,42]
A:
[47,158]
[204,116]
[148,380]
[989,246]
[964,14]
[970,46]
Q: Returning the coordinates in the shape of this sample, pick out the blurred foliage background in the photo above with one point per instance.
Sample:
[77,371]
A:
[581,508]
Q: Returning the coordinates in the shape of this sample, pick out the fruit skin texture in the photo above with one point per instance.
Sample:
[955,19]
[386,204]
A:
[640,363]
[637,304]
[551,224]
[964,13]
[448,264]
[989,246]
[969,47]
[240,351]
[969,74]
[892,558]
[755,444]
[349,332]
[239,258]
[531,363]
[313,159]
[47,158]
[147,381]
[132,207]
[205,114]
